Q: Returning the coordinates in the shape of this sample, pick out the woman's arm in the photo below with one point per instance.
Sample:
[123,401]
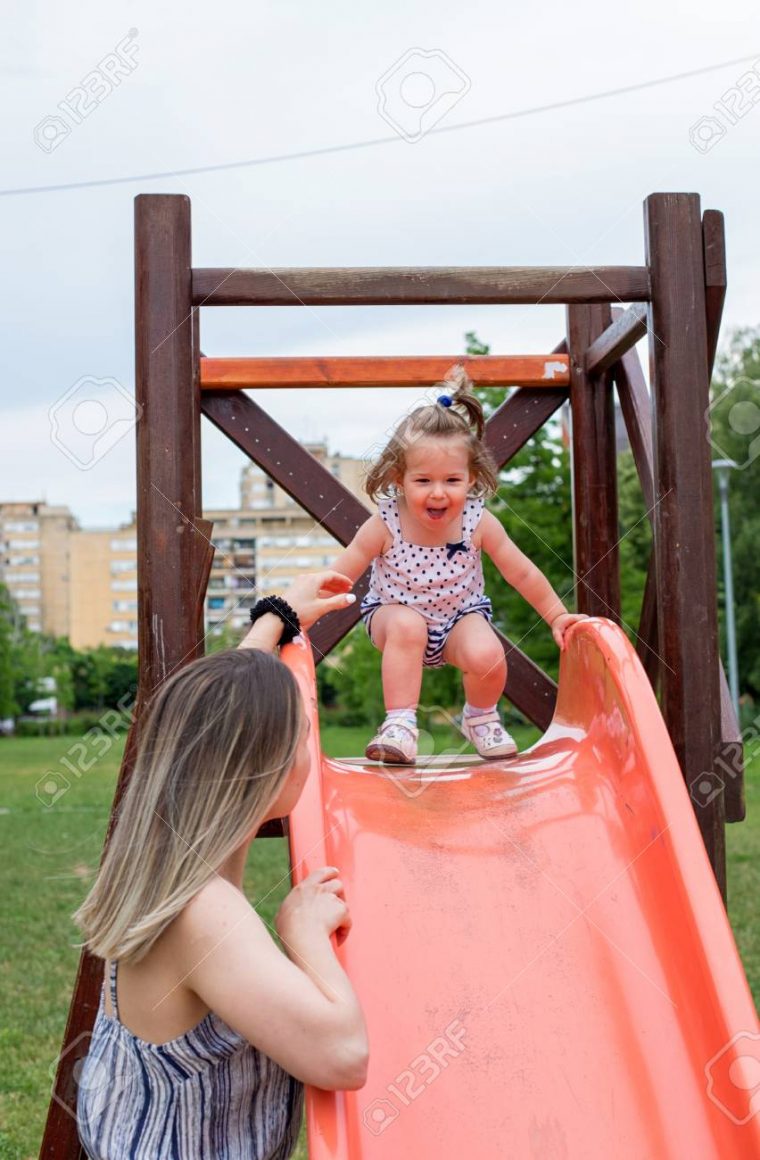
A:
[310,596]
[519,571]
[302,1013]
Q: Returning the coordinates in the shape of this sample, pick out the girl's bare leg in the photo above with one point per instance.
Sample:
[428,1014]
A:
[401,634]
[474,647]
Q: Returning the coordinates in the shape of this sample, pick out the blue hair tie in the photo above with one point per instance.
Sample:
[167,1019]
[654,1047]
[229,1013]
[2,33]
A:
[444,400]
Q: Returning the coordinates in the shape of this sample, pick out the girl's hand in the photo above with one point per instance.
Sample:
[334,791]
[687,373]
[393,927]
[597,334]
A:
[561,623]
[313,594]
[316,904]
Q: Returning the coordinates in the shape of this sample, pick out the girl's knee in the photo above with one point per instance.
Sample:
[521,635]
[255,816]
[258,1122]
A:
[483,656]
[405,627]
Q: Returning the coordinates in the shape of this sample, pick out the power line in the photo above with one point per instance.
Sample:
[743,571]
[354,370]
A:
[325,151]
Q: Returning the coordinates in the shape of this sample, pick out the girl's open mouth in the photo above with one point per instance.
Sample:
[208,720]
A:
[436,513]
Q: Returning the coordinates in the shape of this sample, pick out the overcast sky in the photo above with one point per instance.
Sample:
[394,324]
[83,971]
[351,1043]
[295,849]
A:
[201,85]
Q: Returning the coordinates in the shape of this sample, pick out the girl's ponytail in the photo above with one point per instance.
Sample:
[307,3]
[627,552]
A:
[458,385]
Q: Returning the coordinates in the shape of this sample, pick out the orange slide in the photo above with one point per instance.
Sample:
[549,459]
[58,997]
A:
[539,945]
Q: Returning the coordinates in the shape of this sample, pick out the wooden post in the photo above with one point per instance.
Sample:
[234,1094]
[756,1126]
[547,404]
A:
[594,464]
[169,545]
[683,516]
[173,552]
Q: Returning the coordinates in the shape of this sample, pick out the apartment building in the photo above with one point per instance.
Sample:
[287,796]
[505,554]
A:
[103,588]
[82,583]
[34,562]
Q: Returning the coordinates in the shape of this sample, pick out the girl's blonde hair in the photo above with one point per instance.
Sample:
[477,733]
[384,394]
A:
[214,751]
[463,418]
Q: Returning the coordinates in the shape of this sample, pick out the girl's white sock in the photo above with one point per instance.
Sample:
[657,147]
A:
[474,711]
[403,716]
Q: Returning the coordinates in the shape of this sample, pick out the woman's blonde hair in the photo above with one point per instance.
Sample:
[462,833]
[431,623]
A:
[461,417]
[215,749]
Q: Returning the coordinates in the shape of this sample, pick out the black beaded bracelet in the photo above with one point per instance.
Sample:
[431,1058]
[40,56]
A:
[291,626]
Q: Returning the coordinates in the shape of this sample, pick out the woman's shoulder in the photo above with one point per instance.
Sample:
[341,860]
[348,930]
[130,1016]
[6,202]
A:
[212,913]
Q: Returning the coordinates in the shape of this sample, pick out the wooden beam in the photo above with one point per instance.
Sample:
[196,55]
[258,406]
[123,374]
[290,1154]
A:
[637,412]
[636,408]
[425,285]
[518,418]
[594,465]
[683,524]
[530,370]
[626,330]
[522,414]
[714,241]
[286,462]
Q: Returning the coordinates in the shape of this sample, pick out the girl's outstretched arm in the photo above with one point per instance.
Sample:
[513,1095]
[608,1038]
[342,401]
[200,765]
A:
[370,541]
[519,571]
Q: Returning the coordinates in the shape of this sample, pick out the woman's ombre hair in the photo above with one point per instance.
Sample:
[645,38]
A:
[215,749]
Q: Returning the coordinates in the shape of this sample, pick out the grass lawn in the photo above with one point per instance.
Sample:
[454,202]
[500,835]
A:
[49,855]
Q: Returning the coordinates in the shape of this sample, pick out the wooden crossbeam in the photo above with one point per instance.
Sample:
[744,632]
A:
[595,524]
[420,286]
[529,370]
[714,241]
[635,405]
[626,330]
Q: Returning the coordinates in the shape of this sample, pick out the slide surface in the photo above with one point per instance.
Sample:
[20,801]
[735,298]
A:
[538,944]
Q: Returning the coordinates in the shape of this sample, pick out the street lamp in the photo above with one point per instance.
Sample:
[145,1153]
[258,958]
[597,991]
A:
[723,468]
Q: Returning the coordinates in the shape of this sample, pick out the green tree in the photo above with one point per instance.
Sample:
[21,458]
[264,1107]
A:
[735,434]
[8,631]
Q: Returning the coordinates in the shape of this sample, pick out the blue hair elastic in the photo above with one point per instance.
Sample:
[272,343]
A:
[445,400]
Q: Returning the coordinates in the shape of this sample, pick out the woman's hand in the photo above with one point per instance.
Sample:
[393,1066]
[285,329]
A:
[561,623]
[317,905]
[314,594]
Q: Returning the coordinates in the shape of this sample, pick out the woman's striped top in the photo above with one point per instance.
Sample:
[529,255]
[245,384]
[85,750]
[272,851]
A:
[207,1095]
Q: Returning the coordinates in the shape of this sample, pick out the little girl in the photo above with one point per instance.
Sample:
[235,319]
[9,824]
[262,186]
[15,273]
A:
[426,603]
[206,1030]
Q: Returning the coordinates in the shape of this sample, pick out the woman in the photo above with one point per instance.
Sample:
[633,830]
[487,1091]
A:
[206,1030]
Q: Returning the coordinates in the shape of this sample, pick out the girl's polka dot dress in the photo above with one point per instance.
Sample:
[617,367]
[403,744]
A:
[443,584]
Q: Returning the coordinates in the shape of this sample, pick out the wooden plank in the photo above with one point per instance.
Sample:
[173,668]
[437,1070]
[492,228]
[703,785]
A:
[637,412]
[286,462]
[399,286]
[647,637]
[626,330]
[594,465]
[522,414]
[683,524]
[636,408]
[730,759]
[531,370]
[716,280]
[729,763]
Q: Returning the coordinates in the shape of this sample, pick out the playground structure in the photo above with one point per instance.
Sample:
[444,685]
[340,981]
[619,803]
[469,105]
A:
[604,698]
